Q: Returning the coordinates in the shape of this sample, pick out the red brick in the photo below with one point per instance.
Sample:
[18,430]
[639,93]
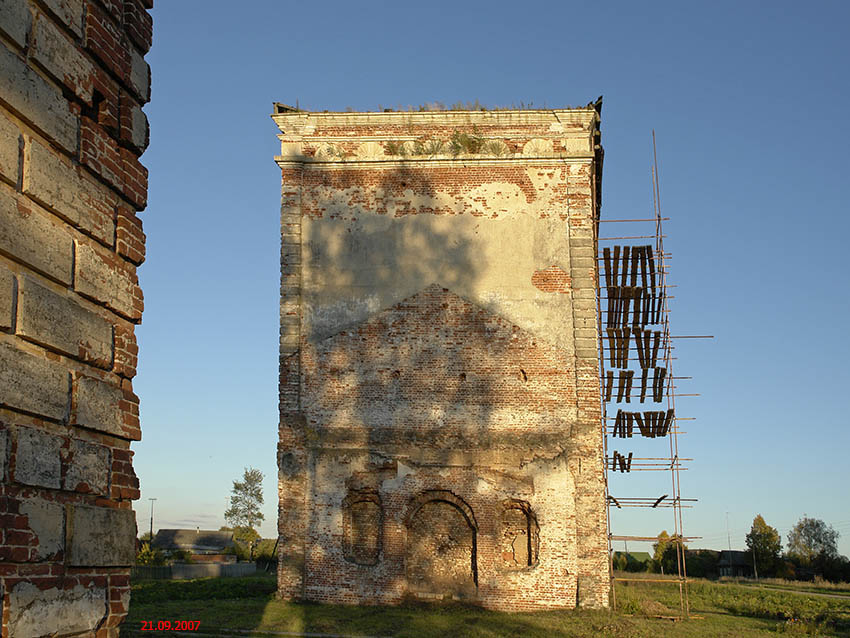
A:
[14,554]
[104,39]
[126,350]
[99,151]
[17,537]
[135,179]
[134,132]
[106,97]
[138,23]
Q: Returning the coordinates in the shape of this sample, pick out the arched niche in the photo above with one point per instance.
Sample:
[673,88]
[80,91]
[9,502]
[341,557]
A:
[520,535]
[441,551]
[362,522]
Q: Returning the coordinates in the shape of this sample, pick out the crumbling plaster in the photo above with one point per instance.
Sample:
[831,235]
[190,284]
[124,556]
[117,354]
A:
[438,337]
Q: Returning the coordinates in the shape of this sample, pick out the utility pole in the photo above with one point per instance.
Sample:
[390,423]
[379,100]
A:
[728,536]
[151,539]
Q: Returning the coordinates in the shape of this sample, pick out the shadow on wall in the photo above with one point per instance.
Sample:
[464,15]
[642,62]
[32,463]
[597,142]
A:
[405,385]
[392,367]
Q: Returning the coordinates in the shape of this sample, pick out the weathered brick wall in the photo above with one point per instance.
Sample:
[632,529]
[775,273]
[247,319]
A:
[440,410]
[72,84]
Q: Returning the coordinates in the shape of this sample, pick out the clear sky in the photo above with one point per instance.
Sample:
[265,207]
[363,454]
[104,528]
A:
[749,101]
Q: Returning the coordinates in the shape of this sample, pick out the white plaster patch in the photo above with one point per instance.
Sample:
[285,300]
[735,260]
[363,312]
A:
[437,415]
[402,471]
[290,149]
[321,321]
[544,180]
[577,145]
[46,520]
[33,612]
[496,199]
[358,259]
[483,486]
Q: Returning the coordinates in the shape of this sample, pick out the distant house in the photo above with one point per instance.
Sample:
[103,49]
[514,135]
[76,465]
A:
[703,563]
[204,546]
[735,563]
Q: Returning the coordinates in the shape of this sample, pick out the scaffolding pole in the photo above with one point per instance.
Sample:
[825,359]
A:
[622,263]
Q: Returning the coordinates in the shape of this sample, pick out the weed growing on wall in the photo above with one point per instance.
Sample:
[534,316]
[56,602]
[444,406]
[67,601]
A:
[466,143]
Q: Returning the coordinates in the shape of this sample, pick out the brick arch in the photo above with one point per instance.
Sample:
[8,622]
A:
[441,554]
[445,496]
[520,535]
[362,527]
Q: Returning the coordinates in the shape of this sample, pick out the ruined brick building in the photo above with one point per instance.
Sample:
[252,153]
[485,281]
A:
[73,80]
[439,394]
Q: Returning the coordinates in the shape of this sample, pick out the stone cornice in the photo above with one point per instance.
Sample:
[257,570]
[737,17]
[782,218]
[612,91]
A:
[407,137]
[438,162]
[298,122]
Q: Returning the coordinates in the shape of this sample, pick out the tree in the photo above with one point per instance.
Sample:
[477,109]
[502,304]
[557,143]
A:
[245,534]
[811,538]
[703,563]
[621,562]
[660,546]
[148,556]
[664,558]
[764,542]
[245,502]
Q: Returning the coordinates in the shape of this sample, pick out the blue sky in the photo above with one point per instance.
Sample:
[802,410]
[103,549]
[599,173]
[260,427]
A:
[749,103]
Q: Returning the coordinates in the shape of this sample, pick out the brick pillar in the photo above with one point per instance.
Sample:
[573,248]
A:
[72,84]
[292,455]
[591,509]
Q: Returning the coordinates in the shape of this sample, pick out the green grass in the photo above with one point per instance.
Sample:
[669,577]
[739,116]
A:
[726,609]
[818,586]
[149,592]
[789,611]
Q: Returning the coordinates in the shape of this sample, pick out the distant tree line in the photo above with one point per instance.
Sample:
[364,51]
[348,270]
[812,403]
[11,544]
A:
[811,552]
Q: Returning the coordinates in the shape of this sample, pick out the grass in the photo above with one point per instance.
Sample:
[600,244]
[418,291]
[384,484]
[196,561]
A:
[818,586]
[788,611]
[726,609]
[152,592]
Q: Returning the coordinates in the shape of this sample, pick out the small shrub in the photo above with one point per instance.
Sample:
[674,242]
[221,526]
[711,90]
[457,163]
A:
[396,148]
[339,152]
[181,556]
[496,148]
[427,147]
[148,556]
[433,147]
[465,143]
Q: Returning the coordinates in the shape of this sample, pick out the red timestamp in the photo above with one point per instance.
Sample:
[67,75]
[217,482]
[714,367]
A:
[170,625]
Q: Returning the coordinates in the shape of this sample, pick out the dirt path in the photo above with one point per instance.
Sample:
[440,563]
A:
[799,591]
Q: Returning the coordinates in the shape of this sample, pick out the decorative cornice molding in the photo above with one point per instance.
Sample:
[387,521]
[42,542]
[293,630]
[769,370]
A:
[297,121]
[464,160]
